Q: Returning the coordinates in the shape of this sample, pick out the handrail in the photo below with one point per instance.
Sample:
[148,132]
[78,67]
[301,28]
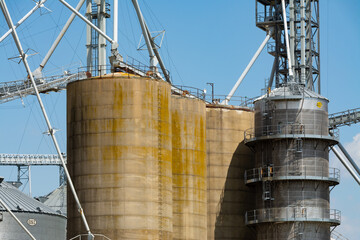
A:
[293,214]
[289,172]
[289,129]
[85,237]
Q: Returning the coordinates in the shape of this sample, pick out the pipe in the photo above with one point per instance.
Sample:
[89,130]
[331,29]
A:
[87,21]
[116,10]
[346,165]
[89,47]
[50,128]
[29,169]
[351,160]
[272,75]
[57,40]
[291,74]
[302,40]
[292,35]
[153,61]
[248,67]
[37,6]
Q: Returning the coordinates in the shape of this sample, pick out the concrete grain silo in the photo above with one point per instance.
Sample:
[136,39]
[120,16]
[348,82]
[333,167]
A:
[227,159]
[189,168]
[43,222]
[119,154]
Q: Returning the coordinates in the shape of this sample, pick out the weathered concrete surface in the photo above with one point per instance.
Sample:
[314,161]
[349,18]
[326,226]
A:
[119,155]
[189,168]
[227,160]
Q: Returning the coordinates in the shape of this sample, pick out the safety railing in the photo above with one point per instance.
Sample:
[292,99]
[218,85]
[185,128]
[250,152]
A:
[129,65]
[290,129]
[86,237]
[262,17]
[292,173]
[187,90]
[235,100]
[293,214]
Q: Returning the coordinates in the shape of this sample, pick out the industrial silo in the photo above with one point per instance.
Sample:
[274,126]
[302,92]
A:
[292,177]
[189,168]
[227,159]
[119,155]
[43,222]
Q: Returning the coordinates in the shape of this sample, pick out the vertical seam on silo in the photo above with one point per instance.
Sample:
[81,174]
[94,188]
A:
[160,170]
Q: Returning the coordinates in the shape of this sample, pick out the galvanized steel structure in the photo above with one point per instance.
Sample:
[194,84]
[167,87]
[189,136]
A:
[291,137]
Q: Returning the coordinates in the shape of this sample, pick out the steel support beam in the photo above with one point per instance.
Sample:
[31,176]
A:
[38,71]
[248,67]
[350,159]
[346,165]
[291,74]
[37,6]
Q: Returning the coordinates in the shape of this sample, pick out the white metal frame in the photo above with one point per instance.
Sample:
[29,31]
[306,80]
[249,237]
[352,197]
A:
[50,128]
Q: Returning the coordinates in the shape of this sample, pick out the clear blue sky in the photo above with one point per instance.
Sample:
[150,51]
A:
[205,41]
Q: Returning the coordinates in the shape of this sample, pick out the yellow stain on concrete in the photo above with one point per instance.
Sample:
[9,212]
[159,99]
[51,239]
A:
[119,154]
[189,168]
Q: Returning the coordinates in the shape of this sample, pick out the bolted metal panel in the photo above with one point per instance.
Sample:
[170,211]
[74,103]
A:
[227,159]
[189,168]
[41,225]
[119,154]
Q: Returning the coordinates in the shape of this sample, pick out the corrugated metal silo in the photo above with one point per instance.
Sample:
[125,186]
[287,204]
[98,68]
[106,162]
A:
[119,154]
[227,159]
[43,222]
[189,168]
[292,178]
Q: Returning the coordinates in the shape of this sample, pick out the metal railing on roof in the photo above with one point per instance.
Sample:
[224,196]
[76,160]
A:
[235,100]
[129,65]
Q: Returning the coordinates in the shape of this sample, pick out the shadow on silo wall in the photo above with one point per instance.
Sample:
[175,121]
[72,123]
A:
[236,199]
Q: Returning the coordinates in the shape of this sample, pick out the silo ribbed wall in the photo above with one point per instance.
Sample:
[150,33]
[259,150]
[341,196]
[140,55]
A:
[227,159]
[119,155]
[189,168]
[292,176]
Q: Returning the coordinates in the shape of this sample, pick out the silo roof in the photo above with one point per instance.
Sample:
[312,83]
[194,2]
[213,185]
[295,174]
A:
[20,202]
[291,91]
[57,199]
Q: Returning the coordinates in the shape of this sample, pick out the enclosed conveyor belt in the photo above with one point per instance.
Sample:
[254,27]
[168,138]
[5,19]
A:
[347,117]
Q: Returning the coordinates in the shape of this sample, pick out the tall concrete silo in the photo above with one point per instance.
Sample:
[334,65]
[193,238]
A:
[292,177]
[227,159]
[43,222]
[189,168]
[119,154]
